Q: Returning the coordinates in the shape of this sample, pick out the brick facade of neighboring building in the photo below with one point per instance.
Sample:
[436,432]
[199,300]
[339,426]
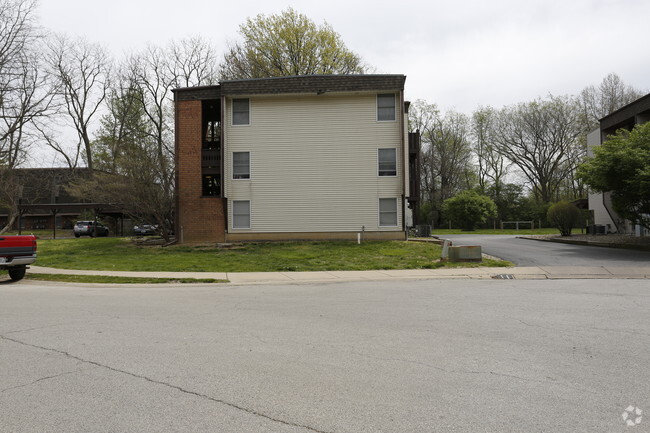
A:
[194,210]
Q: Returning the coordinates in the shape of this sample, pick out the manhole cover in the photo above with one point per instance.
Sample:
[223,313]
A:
[503,277]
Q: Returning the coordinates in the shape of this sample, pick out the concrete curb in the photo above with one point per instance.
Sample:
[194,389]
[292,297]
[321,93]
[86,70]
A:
[255,278]
[590,243]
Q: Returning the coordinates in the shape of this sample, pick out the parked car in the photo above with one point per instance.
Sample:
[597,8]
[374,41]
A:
[144,229]
[90,228]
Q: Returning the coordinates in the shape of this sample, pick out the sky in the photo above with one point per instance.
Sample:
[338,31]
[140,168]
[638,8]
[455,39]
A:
[457,54]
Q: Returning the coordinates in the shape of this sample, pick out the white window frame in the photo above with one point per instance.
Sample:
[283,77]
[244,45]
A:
[379,212]
[394,107]
[232,112]
[233,215]
[233,167]
[378,162]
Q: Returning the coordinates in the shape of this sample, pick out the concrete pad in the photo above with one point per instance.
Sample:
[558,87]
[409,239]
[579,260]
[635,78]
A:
[359,275]
[575,270]
[257,277]
[524,270]
[406,273]
[629,271]
[480,276]
[310,276]
[530,277]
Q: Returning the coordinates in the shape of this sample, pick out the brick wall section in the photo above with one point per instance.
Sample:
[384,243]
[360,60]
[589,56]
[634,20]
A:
[199,219]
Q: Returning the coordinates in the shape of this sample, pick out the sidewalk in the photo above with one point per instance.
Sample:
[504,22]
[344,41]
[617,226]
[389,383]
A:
[517,273]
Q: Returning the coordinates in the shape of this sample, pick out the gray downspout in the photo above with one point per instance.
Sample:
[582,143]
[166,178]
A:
[404,153]
[224,199]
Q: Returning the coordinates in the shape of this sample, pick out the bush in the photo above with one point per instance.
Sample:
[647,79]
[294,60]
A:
[469,209]
[564,216]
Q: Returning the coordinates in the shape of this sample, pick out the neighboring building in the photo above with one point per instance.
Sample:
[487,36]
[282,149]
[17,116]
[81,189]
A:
[627,117]
[305,157]
[46,203]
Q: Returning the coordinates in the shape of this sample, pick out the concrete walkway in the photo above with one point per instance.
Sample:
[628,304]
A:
[519,273]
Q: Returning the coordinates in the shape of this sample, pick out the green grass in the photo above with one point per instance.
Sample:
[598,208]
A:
[43,233]
[121,254]
[102,279]
[521,232]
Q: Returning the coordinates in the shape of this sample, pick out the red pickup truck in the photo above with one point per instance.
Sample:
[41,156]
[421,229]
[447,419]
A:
[16,252]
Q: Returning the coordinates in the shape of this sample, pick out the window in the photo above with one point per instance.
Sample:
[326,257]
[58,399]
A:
[387,161]
[241,214]
[241,112]
[386,107]
[241,165]
[388,212]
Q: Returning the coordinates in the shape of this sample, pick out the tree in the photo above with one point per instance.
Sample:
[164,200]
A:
[622,165]
[469,209]
[25,91]
[594,103]
[128,173]
[192,62]
[288,44]
[540,138]
[25,96]
[445,156]
[134,147]
[82,70]
[492,166]
[597,102]
[564,216]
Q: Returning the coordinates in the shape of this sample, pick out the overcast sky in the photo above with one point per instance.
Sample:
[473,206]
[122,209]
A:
[457,54]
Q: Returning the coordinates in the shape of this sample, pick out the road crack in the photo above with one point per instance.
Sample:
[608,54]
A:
[476,372]
[169,385]
[40,380]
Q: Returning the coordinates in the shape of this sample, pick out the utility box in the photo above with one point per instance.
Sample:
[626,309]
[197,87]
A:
[423,230]
[465,253]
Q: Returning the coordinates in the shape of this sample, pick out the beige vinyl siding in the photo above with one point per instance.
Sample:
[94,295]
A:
[313,163]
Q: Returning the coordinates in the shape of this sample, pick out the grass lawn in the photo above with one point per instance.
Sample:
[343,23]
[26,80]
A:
[123,255]
[521,232]
[43,234]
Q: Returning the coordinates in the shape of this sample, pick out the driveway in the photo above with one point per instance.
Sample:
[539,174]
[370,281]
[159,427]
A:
[526,252]
[419,356]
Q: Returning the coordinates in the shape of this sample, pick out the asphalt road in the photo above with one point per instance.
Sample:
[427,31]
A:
[418,356]
[527,252]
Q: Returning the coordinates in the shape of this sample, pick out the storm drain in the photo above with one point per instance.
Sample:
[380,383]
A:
[503,277]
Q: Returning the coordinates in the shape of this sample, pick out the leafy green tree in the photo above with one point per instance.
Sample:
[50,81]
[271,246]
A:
[288,44]
[469,209]
[564,216]
[622,165]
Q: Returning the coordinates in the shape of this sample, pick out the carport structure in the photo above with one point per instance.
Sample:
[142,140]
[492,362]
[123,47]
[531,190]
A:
[54,209]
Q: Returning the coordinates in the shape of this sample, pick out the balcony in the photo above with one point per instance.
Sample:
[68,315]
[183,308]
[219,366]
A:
[211,158]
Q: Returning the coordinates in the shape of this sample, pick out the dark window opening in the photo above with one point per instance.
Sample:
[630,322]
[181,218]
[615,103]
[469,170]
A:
[211,185]
[211,148]
[211,124]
